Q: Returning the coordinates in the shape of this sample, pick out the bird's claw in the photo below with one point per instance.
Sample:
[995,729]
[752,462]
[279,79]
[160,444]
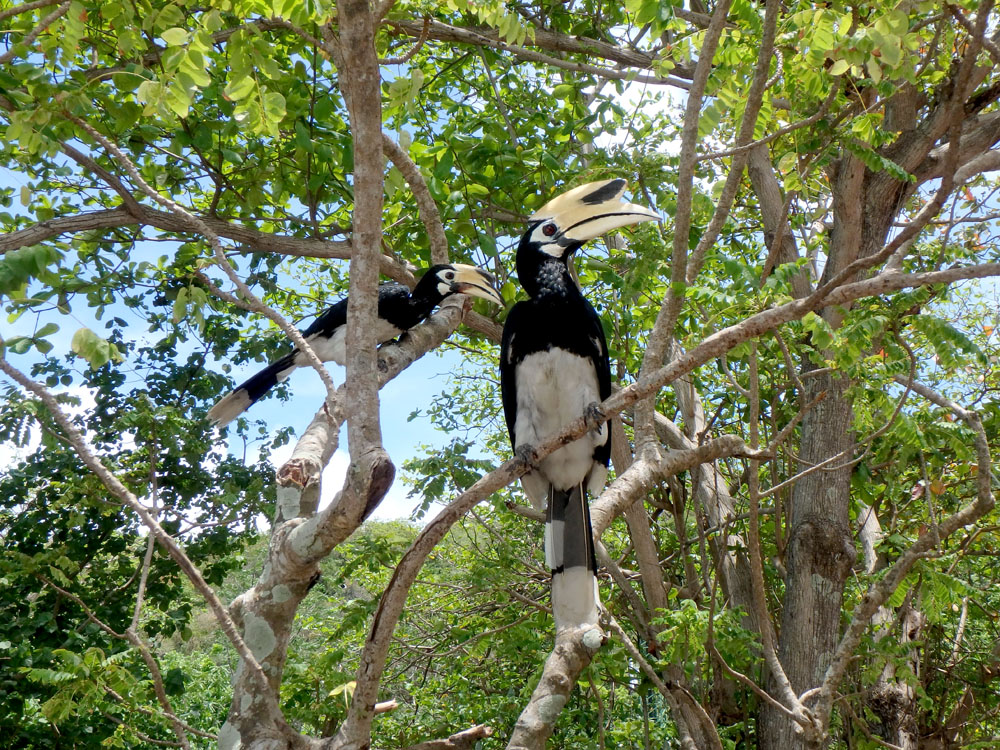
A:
[525,453]
[593,416]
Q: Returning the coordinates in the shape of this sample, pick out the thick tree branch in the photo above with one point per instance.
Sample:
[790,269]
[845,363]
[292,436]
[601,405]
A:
[426,206]
[573,652]
[748,123]
[253,239]
[663,329]
[557,42]
[360,82]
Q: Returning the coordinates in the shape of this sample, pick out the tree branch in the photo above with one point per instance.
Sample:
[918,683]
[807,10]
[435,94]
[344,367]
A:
[360,82]
[253,239]
[879,592]
[31,36]
[116,488]
[17,10]
[574,649]
[426,206]
[546,40]
[659,338]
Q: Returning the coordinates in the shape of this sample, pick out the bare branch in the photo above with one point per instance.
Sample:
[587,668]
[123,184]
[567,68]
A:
[464,740]
[557,42]
[988,44]
[573,651]
[30,38]
[747,125]
[659,338]
[819,114]
[253,239]
[17,10]
[360,82]
[426,206]
[544,39]
[424,33]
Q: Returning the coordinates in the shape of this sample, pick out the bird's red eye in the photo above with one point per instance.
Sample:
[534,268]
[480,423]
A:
[549,229]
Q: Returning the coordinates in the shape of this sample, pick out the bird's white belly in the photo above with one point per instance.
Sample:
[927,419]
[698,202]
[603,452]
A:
[553,389]
[334,348]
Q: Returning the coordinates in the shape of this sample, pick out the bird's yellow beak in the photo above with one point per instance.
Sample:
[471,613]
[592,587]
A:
[593,209]
[475,282]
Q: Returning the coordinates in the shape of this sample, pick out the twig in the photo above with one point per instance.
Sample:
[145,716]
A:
[413,50]
[813,118]
[19,9]
[30,38]
[426,206]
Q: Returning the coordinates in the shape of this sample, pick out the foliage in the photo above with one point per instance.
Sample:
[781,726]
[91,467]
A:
[233,110]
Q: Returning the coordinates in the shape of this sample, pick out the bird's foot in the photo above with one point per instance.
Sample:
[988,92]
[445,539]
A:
[525,453]
[594,417]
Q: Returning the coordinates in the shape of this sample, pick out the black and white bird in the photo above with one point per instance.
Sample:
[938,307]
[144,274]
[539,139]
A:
[399,309]
[554,369]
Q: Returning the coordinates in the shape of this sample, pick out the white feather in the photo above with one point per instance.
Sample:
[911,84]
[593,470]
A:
[574,598]
[334,348]
[553,389]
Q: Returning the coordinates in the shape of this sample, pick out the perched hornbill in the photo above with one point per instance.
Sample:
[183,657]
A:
[554,369]
[399,309]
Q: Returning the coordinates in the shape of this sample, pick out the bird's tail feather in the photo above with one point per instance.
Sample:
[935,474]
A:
[249,392]
[569,552]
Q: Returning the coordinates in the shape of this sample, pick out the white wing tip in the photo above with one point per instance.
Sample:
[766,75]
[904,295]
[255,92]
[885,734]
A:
[229,408]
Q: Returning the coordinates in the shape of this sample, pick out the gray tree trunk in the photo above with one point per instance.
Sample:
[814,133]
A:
[819,555]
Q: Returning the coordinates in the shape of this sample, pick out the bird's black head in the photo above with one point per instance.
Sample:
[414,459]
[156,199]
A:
[446,279]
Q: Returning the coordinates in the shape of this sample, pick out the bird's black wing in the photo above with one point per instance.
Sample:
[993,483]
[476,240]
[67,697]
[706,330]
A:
[510,357]
[602,364]
[328,321]
[394,306]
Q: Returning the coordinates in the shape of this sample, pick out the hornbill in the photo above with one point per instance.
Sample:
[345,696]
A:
[399,309]
[554,369]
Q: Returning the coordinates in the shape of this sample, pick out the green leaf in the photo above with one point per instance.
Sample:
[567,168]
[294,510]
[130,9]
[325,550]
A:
[821,333]
[274,106]
[180,305]
[240,88]
[175,36]
[94,349]
[839,68]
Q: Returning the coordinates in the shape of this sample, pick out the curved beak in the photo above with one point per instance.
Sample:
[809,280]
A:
[593,209]
[475,282]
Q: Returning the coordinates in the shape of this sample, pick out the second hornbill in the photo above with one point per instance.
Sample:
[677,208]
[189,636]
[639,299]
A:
[554,369]
[399,309]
